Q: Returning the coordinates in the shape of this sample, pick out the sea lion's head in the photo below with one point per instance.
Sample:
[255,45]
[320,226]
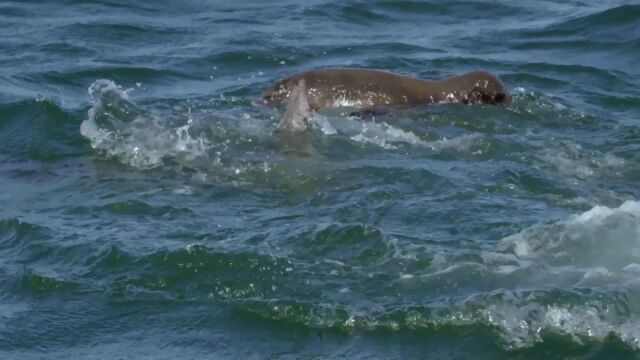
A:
[483,88]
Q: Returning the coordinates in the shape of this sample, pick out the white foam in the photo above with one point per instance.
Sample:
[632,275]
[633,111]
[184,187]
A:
[321,122]
[383,134]
[597,250]
[185,190]
[118,129]
[601,236]
[389,137]
[522,323]
[633,267]
[574,161]
[599,213]
[460,143]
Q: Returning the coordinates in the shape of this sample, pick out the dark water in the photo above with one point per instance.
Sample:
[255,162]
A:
[147,211]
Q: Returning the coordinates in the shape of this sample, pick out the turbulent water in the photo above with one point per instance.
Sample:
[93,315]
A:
[148,211]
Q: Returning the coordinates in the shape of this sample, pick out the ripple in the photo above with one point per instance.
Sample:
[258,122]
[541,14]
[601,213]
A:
[125,74]
[43,285]
[134,208]
[353,13]
[601,25]
[520,320]
[357,245]
[196,272]
[15,233]
[174,222]
[39,130]
[12,11]
[466,9]
[599,237]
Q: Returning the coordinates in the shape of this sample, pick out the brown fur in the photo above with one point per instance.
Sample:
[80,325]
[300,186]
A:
[363,88]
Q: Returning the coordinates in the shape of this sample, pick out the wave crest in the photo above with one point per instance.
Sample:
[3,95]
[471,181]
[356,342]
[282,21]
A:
[119,129]
[602,236]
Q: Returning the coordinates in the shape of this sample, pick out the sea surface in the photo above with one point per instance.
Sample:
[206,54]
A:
[148,211]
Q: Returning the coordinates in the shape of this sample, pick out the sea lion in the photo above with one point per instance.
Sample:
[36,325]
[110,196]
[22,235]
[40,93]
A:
[371,90]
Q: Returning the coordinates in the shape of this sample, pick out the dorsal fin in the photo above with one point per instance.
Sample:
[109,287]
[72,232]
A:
[297,114]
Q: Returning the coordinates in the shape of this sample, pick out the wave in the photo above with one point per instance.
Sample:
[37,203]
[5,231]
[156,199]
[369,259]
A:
[120,30]
[579,45]
[186,138]
[194,272]
[573,70]
[232,145]
[119,129]
[272,59]
[39,284]
[38,129]
[9,11]
[464,9]
[620,103]
[519,321]
[13,233]
[134,208]
[389,137]
[572,279]
[603,237]
[357,14]
[613,24]
[572,160]
[126,74]
[104,3]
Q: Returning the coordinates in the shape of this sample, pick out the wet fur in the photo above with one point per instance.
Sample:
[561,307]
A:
[365,89]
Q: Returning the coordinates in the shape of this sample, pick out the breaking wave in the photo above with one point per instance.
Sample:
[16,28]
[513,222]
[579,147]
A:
[119,129]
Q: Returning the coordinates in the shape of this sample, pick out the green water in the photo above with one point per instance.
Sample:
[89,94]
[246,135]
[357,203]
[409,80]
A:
[147,211]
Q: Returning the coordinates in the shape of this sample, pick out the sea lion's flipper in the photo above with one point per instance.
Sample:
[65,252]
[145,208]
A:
[369,113]
[298,113]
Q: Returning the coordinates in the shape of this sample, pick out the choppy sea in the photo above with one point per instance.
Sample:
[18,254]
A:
[148,212]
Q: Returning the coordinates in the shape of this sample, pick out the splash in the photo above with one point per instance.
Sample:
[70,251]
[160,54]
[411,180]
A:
[118,129]
[321,122]
[572,160]
[523,323]
[575,279]
[387,136]
[600,237]
[585,268]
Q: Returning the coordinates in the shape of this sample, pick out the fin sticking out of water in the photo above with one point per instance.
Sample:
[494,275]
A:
[297,114]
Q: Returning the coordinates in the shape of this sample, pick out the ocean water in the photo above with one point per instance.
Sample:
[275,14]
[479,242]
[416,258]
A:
[147,211]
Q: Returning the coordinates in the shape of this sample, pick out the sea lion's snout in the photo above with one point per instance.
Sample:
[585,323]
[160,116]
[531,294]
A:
[497,93]
[489,88]
[482,96]
[477,87]
[498,98]
[501,98]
